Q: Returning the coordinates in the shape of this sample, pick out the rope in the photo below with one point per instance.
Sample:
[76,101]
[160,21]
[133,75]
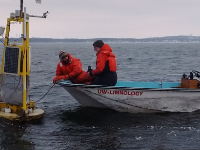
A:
[2,42]
[45,93]
[14,89]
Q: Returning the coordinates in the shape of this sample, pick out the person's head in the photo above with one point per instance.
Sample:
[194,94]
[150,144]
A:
[63,56]
[97,45]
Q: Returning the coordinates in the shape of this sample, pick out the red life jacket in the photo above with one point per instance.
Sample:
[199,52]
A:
[105,54]
[73,68]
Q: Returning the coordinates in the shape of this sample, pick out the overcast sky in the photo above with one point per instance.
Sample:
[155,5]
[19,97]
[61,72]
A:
[107,18]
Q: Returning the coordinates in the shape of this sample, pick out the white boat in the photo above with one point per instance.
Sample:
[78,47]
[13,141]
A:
[139,97]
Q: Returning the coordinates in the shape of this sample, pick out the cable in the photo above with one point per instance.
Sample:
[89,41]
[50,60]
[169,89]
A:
[14,89]
[2,42]
[45,93]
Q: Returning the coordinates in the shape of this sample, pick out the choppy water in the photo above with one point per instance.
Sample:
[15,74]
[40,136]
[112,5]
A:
[66,125]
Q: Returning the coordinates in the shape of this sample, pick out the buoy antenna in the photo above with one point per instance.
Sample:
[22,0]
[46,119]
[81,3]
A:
[21,8]
[37,1]
[43,16]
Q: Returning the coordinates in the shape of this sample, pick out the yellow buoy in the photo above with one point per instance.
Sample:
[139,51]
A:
[16,64]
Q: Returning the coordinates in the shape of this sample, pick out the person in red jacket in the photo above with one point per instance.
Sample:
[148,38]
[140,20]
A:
[70,68]
[106,66]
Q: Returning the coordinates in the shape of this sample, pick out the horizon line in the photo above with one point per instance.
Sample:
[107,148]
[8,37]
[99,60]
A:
[111,37]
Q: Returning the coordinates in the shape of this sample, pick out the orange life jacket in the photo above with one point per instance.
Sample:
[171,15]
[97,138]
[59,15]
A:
[105,54]
[73,69]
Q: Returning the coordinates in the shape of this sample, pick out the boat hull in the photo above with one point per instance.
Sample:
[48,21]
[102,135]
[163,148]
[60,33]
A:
[137,100]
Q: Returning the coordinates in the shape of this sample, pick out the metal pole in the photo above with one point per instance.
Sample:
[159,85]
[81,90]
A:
[21,8]
[24,22]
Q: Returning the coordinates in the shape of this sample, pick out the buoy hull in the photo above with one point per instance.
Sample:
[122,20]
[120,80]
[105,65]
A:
[34,115]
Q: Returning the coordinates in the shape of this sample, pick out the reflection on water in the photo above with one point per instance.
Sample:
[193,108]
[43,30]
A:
[11,136]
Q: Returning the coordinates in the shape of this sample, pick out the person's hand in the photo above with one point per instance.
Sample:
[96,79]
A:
[89,68]
[90,72]
[55,79]
[66,77]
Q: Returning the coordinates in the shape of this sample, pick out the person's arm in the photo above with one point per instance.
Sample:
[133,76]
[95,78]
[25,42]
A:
[58,73]
[77,69]
[101,61]
[58,69]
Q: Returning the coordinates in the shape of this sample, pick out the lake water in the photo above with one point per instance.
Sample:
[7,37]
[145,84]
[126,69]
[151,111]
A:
[67,125]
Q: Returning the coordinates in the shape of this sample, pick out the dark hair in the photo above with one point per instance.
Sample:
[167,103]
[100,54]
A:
[98,43]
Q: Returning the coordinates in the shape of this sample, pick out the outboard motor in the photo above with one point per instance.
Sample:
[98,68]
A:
[196,75]
[184,76]
[191,76]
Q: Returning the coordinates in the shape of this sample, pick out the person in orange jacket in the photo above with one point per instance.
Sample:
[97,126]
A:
[70,68]
[106,66]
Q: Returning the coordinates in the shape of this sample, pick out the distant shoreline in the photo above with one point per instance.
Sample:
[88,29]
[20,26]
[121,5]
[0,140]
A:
[153,39]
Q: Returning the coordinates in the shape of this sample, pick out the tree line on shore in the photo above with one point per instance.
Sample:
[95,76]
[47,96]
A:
[151,39]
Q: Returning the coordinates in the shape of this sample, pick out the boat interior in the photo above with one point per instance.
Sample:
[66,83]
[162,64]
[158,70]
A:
[187,82]
[131,84]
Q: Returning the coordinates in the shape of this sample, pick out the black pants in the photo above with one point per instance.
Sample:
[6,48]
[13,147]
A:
[109,79]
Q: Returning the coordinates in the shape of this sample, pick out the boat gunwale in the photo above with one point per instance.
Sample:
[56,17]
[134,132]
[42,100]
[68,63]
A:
[127,88]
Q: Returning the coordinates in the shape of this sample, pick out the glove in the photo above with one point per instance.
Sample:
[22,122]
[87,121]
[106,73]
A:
[66,77]
[90,72]
[54,79]
[89,69]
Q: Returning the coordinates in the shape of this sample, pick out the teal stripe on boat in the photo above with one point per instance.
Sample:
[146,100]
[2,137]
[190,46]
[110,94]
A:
[147,84]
